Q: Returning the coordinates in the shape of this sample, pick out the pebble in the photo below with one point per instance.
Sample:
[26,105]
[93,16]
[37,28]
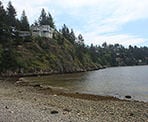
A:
[128,97]
[6,107]
[54,112]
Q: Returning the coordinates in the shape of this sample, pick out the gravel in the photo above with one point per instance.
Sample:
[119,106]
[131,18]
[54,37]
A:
[27,104]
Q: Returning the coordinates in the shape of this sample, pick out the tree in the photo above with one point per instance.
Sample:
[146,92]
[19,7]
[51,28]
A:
[72,36]
[42,18]
[11,14]
[104,45]
[45,19]
[4,28]
[69,35]
[8,61]
[80,39]
[2,13]
[2,20]
[50,21]
[65,31]
[24,22]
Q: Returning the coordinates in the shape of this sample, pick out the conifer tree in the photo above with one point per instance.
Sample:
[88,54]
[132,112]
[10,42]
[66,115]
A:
[11,14]
[45,19]
[3,25]
[72,36]
[2,13]
[80,39]
[42,18]
[65,31]
[68,34]
[50,20]
[24,22]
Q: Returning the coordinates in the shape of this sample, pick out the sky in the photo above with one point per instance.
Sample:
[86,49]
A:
[112,21]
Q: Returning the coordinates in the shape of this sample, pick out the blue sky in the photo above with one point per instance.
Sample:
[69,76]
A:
[113,21]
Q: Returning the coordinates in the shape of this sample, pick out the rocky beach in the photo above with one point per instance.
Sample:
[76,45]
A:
[26,103]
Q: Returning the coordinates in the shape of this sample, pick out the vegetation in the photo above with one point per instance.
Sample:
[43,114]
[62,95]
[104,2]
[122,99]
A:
[63,53]
[45,19]
[24,24]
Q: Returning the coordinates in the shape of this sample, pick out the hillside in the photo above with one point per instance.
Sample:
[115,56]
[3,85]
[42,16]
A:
[44,55]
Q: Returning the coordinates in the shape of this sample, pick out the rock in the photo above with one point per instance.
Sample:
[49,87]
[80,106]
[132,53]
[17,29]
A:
[36,85]
[128,97]
[22,79]
[35,99]
[11,112]
[46,87]
[6,107]
[67,110]
[77,92]
[131,114]
[22,82]
[19,91]
[54,112]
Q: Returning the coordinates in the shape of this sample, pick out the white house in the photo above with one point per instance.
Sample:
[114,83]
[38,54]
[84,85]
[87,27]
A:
[42,31]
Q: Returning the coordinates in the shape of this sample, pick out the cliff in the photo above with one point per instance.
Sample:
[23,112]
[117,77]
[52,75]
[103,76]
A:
[46,56]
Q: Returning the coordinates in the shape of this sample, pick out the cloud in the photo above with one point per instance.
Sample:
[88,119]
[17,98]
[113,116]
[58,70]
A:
[96,19]
[124,39]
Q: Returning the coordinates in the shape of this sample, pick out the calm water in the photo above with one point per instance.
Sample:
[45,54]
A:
[119,81]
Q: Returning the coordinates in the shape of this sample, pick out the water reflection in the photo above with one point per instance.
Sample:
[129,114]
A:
[119,81]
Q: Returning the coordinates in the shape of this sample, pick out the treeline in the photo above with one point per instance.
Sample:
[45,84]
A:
[118,55]
[69,47]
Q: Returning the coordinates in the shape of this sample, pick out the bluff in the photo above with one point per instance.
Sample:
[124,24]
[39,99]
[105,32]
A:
[45,56]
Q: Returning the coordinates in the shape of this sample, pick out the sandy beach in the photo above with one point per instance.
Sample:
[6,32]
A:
[26,103]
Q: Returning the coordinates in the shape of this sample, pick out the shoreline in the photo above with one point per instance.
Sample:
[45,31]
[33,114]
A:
[17,75]
[51,90]
[52,105]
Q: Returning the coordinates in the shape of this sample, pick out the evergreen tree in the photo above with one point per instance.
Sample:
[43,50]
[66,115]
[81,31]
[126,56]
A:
[4,33]
[72,36]
[65,31]
[42,18]
[8,61]
[69,35]
[24,22]
[45,19]
[18,24]
[50,21]
[2,13]
[80,39]
[11,14]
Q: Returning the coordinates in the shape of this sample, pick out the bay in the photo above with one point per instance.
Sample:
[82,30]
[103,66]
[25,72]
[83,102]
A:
[115,81]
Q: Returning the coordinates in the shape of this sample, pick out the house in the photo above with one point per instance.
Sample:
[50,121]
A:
[24,34]
[42,31]
[18,33]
